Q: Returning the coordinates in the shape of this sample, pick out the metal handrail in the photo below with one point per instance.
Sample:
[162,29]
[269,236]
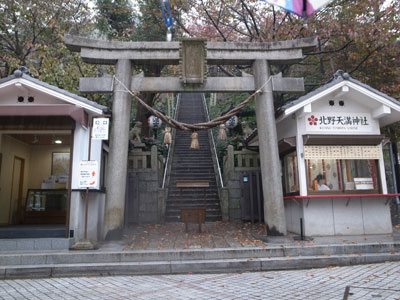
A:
[172,135]
[213,142]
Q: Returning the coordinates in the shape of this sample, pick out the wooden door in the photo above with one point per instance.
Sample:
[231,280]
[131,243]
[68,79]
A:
[17,184]
[251,202]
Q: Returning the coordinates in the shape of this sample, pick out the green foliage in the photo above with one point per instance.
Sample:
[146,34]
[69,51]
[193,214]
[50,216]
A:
[115,18]
[150,25]
[31,35]
[31,32]
[151,141]
[227,102]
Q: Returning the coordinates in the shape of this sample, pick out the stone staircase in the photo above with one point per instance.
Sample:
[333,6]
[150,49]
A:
[189,164]
[44,264]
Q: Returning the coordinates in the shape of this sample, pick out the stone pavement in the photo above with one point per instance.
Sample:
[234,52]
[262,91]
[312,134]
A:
[376,281]
[224,235]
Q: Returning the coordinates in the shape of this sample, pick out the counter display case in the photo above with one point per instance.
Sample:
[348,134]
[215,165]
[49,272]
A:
[45,206]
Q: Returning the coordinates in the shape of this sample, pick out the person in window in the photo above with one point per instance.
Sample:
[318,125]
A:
[321,183]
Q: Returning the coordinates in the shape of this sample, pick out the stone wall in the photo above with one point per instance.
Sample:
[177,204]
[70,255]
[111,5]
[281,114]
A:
[235,163]
[145,173]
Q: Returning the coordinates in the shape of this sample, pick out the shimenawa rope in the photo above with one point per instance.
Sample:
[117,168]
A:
[199,126]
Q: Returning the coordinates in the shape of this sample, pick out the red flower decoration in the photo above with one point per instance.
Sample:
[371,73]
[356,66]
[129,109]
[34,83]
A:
[312,120]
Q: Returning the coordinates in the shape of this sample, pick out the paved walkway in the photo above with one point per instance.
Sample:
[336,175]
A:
[378,281]
[223,235]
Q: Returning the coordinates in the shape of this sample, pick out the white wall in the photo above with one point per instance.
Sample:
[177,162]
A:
[96,206]
[10,94]
[346,216]
[286,128]
[96,199]
[80,152]
[41,161]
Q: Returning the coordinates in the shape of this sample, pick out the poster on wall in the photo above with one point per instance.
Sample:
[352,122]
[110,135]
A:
[340,122]
[60,166]
[88,174]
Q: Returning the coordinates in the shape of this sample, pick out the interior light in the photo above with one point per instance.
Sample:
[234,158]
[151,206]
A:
[58,142]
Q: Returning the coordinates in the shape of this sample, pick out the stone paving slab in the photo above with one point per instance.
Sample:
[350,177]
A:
[366,282]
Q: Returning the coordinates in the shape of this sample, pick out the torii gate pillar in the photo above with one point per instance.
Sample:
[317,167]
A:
[274,212]
[118,155]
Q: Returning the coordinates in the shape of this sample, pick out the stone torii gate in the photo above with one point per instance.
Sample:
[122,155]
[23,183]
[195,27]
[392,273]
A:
[192,55]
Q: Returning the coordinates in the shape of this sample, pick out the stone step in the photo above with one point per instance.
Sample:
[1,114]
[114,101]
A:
[176,194]
[189,164]
[176,207]
[187,167]
[190,266]
[176,218]
[28,244]
[219,260]
[193,197]
[193,176]
[190,161]
[273,250]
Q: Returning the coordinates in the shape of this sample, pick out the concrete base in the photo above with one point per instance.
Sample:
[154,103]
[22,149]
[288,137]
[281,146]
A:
[85,245]
[36,244]
[339,216]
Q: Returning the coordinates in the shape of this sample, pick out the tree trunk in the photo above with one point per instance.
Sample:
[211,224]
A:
[141,112]
[149,71]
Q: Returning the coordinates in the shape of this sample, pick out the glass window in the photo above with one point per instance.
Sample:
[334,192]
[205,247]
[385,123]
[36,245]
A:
[359,175]
[323,174]
[291,173]
[46,200]
[337,175]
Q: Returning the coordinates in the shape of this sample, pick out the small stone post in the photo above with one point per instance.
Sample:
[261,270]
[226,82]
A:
[274,211]
[118,156]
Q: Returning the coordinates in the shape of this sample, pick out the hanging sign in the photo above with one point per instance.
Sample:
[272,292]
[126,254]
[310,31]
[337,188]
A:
[334,122]
[170,101]
[88,174]
[342,152]
[100,128]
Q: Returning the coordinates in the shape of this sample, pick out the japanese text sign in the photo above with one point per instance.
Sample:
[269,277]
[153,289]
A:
[88,174]
[100,128]
[344,122]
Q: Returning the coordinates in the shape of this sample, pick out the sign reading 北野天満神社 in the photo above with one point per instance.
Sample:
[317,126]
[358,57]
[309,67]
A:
[344,122]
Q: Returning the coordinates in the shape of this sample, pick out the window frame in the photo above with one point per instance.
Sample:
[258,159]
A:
[342,190]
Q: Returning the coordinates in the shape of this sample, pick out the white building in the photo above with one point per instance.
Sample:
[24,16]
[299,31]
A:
[44,135]
[333,134]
